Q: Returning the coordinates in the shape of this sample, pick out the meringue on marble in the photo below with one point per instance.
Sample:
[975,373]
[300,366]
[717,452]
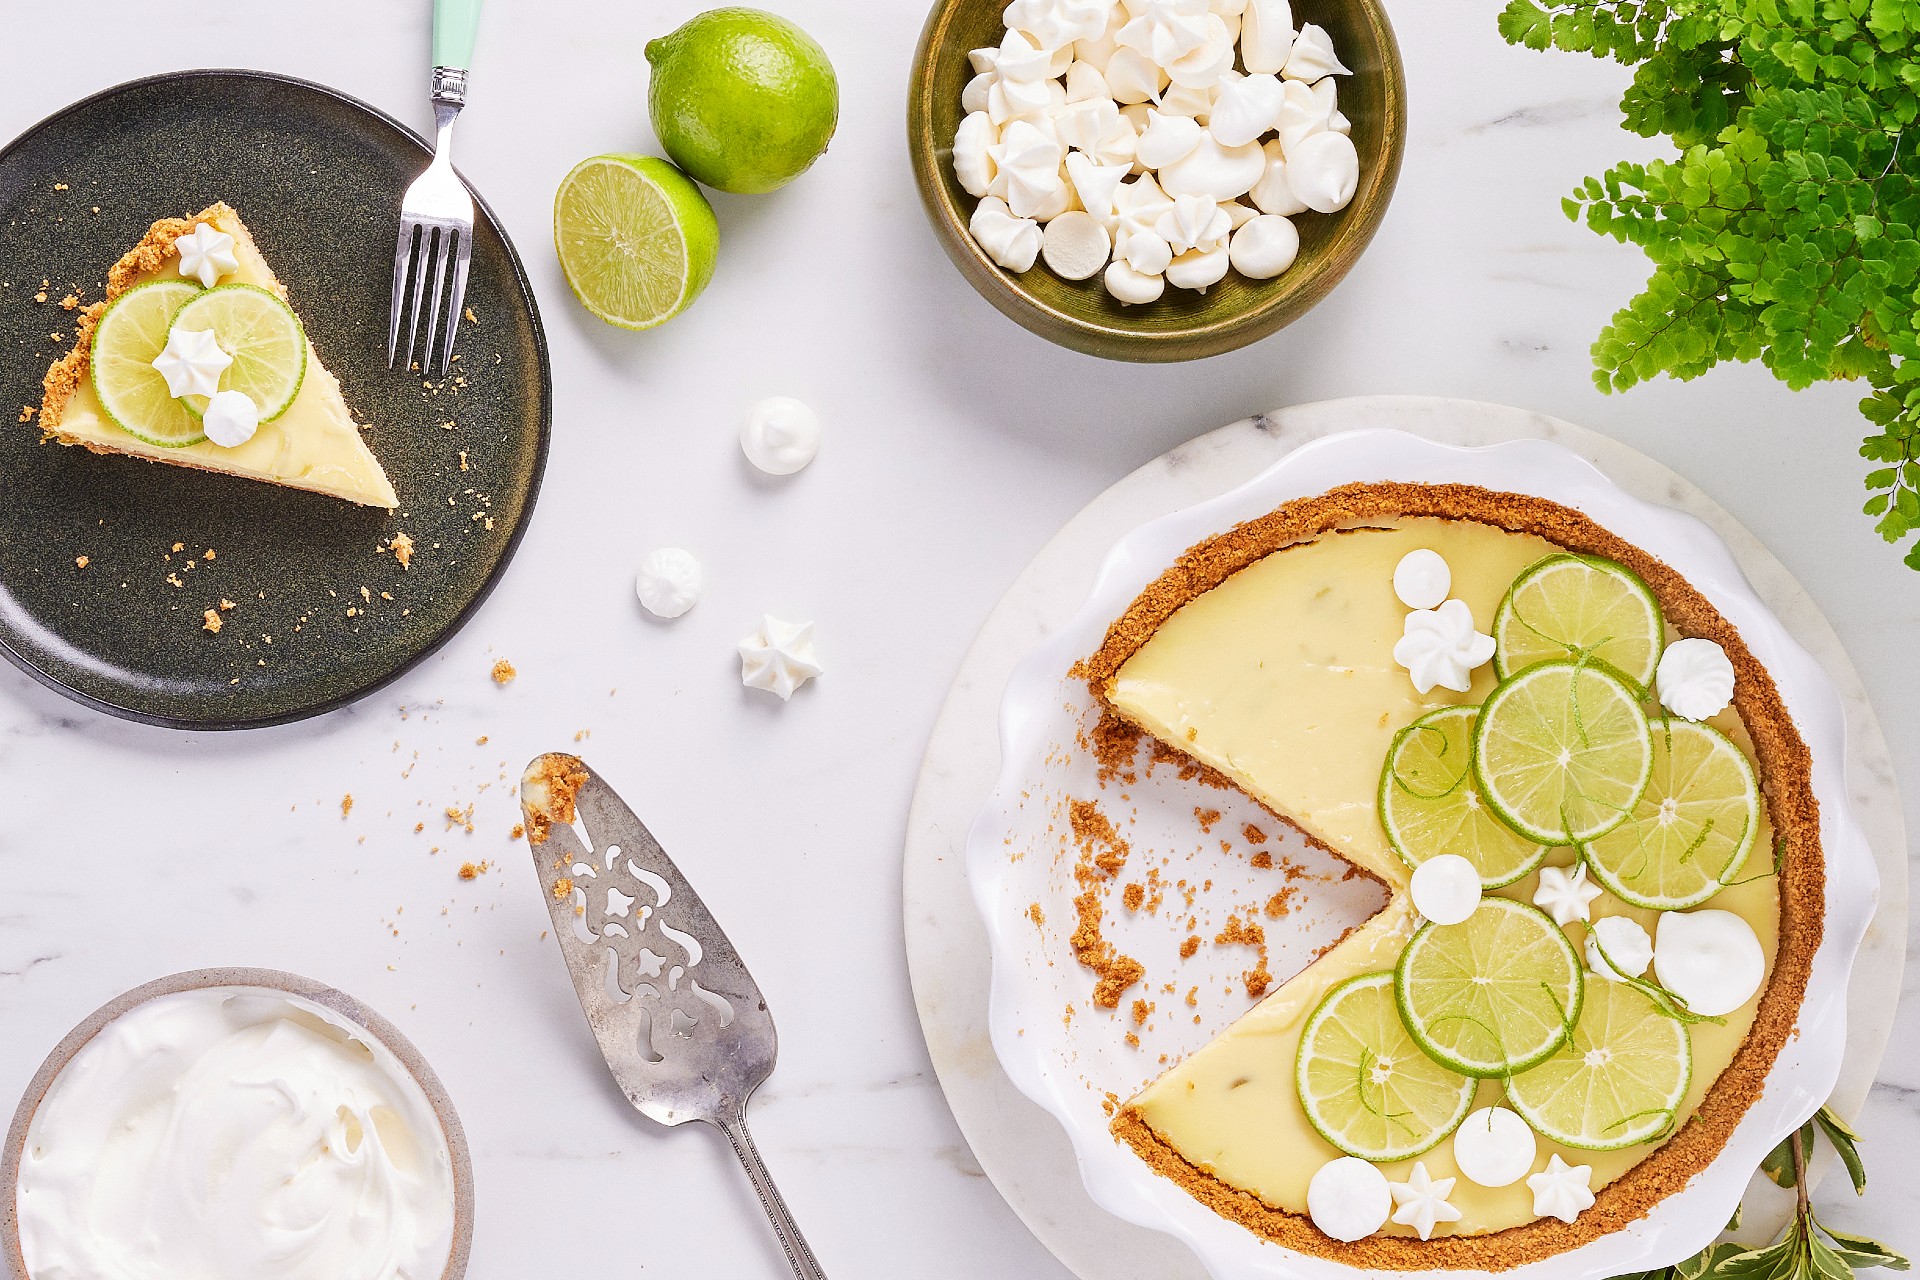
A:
[779,657]
[670,581]
[781,435]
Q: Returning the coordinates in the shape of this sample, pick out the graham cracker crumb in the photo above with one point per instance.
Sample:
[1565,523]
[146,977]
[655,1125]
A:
[503,672]
[346,804]
[402,547]
[1102,854]
[548,796]
[210,621]
[81,562]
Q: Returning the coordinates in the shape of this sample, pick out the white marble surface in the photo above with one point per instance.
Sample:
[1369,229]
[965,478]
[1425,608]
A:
[956,445]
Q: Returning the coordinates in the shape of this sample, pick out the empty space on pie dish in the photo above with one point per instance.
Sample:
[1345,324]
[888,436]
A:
[1238,973]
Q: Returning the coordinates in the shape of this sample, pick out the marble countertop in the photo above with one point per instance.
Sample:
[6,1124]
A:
[956,444]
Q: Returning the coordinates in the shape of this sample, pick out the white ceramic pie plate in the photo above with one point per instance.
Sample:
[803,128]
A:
[1020,855]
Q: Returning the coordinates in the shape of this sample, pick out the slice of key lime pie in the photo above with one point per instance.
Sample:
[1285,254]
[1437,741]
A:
[1594,821]
[197,359]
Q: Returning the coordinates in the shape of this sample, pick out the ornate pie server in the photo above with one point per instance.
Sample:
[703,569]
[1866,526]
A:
[680,1022]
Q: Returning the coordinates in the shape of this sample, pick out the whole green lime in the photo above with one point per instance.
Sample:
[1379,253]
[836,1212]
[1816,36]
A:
[742,99]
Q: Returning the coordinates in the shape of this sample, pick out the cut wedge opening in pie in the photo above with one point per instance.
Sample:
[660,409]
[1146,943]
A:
[196,358]
[1272,656]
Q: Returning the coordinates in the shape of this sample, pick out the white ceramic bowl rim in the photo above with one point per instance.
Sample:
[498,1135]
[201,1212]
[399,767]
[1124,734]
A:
[1034,709]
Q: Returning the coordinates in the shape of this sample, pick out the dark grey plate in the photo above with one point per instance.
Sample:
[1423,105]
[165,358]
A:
[317,176]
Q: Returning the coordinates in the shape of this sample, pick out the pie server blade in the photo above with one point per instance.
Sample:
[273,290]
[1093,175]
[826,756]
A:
[684,1029]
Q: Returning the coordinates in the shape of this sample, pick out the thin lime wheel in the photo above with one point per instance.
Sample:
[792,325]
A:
[1694,825]
[1573,606]
[1618,1081]
[1365,1085]
[1563,752]
[637,241]
[1493,995]
[130,334]
[263,336]
[1430,803]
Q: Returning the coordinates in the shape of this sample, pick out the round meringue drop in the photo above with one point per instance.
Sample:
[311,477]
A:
[1446,888]
[781,435]
[1133,288]
[1198,269]
[1348,1199]
[1628,949]
[1422,579]
[1494,1147]
[1694,679]
[1076,246]
[1324,171]
[1146,253]
[669,582]
[1264,246]
[231,419]
[1210,169]
[1711,959]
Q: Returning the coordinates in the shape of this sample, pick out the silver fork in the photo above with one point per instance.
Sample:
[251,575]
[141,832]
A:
[436,215]
[686,1034]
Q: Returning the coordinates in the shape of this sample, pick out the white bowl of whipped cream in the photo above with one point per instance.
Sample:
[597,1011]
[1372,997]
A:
[235,1124]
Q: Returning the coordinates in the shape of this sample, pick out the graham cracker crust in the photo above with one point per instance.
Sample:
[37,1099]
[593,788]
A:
[1785,768]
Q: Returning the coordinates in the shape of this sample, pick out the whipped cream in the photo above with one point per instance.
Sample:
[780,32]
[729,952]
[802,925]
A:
[1561,1190]
[1421,1201]
[781,435]
[1422,579]
[1710,959]
[1264,246]
[1565,893]
[1441,647]
[1349,1199]
[1627,948]
[206,254]
[1494,1147]
[192,362]
[231,419]
[234,1133]
[1694,679]
[1446,888]
[669,582]
[779,657]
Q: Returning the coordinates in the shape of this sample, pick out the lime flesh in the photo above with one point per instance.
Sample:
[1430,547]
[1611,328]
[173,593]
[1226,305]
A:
[1562,751]
[1365,1085]
[1430,803]
[263,336]
[1572,606]
[637,241]
[1617,1081]
[1492,995]
[130,334]
[1692,828]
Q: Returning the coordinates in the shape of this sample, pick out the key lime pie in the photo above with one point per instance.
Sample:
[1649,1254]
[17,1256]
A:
[1594,822]
[195,358]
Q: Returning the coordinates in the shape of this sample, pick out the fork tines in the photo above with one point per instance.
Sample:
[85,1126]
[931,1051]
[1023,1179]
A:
[423,250]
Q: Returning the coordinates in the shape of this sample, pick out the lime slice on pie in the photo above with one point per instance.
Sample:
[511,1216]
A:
[263,336]
[130,334]
[1562,751]
[1618,1079]
[1572,606]
[636,239]
[1693,827]
[1366,1086]
[1492,995]
[1430,803]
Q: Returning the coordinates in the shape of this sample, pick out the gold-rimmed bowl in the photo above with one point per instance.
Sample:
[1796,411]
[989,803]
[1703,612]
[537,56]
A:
[1182,325]
[13,1265]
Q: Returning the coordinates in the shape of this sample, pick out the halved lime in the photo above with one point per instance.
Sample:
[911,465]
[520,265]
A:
[1366,1086]
[130,334]
[1693,827]
[1572,606]
[636,239]
[1616,1082]
[1492,995]
[1562,751]
[263,336]
[1430,803]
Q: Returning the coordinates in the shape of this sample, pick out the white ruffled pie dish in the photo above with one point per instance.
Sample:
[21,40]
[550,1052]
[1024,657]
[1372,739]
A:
[1019,863]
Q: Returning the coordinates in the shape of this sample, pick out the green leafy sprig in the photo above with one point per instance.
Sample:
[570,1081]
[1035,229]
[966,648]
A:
[1787,229]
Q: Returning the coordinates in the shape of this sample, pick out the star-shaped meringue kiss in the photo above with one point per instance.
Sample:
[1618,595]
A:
[1566,894]
[1561,1190]
[192,363]
[1166,30]
[1421,1201]
[779,657]
[1441,647]
[206,254]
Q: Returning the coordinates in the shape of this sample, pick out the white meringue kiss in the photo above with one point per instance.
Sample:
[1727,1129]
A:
[1130,287]
[1210,169]
[1264,246]
[1245,109]
[1273,194]
[1324,171]
[1167,139]
[1266,36]
[1312,56]
[1012,242]
[1695,679]
[1198,269]
[1075,245]
[972,157]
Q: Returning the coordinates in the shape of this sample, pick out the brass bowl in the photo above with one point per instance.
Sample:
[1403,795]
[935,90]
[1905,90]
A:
[14,1266]
[1181,325]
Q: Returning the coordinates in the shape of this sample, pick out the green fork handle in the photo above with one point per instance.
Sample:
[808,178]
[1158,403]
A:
[455,23]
